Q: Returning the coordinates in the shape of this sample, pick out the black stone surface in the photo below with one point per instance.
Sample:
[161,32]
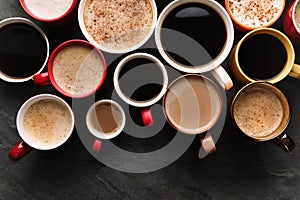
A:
[240,169]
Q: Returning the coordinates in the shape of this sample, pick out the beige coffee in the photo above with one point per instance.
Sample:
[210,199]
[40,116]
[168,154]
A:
[297,15]
[255,13]
[192,104]
[78,69]
[118,24]
[47,123]
[258,112]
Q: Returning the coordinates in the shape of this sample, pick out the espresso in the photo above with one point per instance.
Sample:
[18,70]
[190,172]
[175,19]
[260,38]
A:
[297,16]
[47,123]
[49,9]
[255,13]
[258,112]
[192,104]
[78,69]
[118,24]
[193,34]
[262,57]
[23,50]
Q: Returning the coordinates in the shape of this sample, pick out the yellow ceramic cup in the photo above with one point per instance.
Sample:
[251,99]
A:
[290,68]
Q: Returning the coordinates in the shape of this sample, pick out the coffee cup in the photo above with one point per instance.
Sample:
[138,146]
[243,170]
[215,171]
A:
[151,62]
[76,69]
[191,49]
[264,54]
[50,11]
[248,15]
[44,122]
[291,22]
[23,53]
[261,111]
[117,26]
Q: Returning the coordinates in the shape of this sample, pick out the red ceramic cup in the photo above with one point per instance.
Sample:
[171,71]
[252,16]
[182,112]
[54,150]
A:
[50,77]
[289,23]
[50,11]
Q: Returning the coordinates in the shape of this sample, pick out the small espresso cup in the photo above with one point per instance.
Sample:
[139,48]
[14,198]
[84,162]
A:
[24,49]
[291,22]
[191,49]
[117,26]
[44,122]
[264,54]
[50,12]
[261,111]
[76,69]
[248,15]
[143,104]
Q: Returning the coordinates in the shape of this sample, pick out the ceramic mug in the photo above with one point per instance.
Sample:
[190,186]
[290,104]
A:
[261,111]
[286,50]
[44,122]
[291,22]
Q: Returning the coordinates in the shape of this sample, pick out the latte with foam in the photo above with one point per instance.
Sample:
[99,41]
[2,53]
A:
[297,16]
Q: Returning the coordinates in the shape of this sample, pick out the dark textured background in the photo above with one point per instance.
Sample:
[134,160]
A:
[240,169]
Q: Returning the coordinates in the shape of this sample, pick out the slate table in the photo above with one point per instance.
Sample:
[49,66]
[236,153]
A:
[240,169]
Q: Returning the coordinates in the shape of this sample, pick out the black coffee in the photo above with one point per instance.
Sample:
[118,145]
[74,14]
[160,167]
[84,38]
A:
[193,32]
[23,50]
[141,79]
[262,56]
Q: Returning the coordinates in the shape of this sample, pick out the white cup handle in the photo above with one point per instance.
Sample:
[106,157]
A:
[222,77]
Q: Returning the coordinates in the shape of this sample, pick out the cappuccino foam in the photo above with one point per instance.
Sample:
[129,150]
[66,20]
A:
[258,112]
[297,16]
[118,24]
[78,69]
[47,122]
[255,13]
[48,9]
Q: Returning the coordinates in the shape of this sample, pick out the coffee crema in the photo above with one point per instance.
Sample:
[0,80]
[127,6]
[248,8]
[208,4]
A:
[48,9]
[78,69]
[118,24]
[258,112]
[47,123]
[255,13]
[297,16]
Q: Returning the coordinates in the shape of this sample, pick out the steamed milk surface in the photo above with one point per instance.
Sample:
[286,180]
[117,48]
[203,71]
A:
[47,122]
[48,9]
[255,13]
[258,113]
[297,16]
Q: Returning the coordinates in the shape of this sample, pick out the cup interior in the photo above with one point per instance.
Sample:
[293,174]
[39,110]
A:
[113,118]
[295,17]
[25,135]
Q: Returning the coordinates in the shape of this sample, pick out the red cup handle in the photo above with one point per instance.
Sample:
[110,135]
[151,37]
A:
[97,145]
[147,117]
[42,79]
[19,151]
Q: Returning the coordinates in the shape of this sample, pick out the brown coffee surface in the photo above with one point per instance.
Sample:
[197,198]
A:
[255,13]
[258,112]
[118,24]
[78,69]
[192,103]
[297,16]
[47,122]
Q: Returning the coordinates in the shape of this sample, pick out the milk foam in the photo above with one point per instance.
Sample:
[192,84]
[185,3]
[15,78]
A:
[297,16]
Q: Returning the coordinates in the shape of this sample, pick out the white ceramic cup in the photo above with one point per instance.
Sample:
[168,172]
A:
[213,66]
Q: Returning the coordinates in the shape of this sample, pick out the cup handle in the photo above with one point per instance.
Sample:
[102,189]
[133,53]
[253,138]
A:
[222,77]
[147,117]
[208,145]
[285,142]
[42,79]
[295,72]
[97,145]
[19,151]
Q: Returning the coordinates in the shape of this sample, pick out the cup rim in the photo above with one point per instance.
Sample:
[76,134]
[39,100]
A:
[268,84]
[99,134]
[53,56]
[285,69]
[249,28]
[211,123]
[23,110]
[109,50]
[297,3]
[216,61]
[13,20]
[27,10]
[124,97]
